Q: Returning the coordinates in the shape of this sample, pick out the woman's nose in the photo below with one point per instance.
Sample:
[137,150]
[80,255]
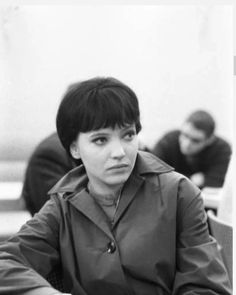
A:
[117,150]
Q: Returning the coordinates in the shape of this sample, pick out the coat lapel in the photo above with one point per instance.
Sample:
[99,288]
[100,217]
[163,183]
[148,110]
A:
[76,181]
[88,206]
[129,191]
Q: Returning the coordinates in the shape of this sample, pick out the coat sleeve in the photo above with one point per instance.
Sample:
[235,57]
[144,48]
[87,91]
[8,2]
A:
[28,256]
[199,265]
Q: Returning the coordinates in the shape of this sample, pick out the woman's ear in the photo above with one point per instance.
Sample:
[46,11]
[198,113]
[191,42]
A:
[74,150]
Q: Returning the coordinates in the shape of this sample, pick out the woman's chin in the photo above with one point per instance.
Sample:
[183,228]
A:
[117,179]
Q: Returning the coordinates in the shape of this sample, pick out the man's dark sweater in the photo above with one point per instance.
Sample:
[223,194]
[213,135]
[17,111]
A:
[212,161]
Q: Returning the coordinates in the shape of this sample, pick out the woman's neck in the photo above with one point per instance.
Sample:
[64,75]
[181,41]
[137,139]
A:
[113,191]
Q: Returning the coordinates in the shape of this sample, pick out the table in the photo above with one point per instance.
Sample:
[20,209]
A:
[11,222]
[12,210]
[211,197]
[10,190]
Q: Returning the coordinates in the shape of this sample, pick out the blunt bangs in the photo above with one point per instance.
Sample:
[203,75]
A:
[109,107]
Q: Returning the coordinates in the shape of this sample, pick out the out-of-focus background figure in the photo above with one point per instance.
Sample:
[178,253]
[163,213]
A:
[48,163]
[196,151]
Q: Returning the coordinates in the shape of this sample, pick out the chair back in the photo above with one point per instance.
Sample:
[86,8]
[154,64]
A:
[223,233]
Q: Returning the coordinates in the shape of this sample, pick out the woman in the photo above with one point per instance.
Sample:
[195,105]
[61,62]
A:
[123,222]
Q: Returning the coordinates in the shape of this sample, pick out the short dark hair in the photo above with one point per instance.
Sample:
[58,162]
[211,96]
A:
[93,104]
[203,121]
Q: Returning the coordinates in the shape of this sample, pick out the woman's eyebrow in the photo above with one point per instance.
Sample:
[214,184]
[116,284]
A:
[99,133]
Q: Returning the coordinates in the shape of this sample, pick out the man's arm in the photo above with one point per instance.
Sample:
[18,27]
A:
[217,161]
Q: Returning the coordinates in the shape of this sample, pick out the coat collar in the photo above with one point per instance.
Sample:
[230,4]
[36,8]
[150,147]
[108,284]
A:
[73,189]
[148,163]
[76,179]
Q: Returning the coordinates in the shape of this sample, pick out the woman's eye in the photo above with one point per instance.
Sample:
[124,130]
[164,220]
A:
[100,140]
[130,135]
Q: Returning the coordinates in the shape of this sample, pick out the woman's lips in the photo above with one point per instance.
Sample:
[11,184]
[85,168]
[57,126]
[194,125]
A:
[118,166]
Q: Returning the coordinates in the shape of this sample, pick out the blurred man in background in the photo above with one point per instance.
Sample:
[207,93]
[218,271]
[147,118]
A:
[196,151]
[48,163]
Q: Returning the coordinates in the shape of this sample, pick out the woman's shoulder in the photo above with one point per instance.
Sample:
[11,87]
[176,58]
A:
[73,181]
[171,183]
[149,163]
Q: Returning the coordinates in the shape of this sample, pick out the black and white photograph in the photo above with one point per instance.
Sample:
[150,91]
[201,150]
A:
[117,160]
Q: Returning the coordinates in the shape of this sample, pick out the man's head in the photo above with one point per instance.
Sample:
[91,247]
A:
[197,132]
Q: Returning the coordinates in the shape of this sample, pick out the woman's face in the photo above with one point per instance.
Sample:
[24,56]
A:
[108,155]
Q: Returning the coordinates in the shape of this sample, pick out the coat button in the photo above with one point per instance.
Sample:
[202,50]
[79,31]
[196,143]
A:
[111,247]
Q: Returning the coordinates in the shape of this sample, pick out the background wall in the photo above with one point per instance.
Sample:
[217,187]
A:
[176,58]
